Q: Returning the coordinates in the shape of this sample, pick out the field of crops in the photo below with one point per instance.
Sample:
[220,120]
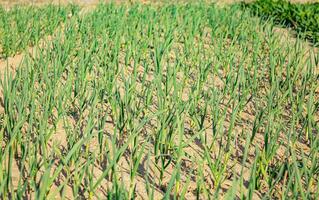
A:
[163,101]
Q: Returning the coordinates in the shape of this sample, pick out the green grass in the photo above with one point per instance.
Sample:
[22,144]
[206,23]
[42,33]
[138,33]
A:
[21,27]
[304,18]
[162,102]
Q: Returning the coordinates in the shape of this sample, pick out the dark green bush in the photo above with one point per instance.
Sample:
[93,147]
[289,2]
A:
[304,18]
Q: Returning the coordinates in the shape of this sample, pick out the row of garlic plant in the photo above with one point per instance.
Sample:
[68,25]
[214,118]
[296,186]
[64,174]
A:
[21,27]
